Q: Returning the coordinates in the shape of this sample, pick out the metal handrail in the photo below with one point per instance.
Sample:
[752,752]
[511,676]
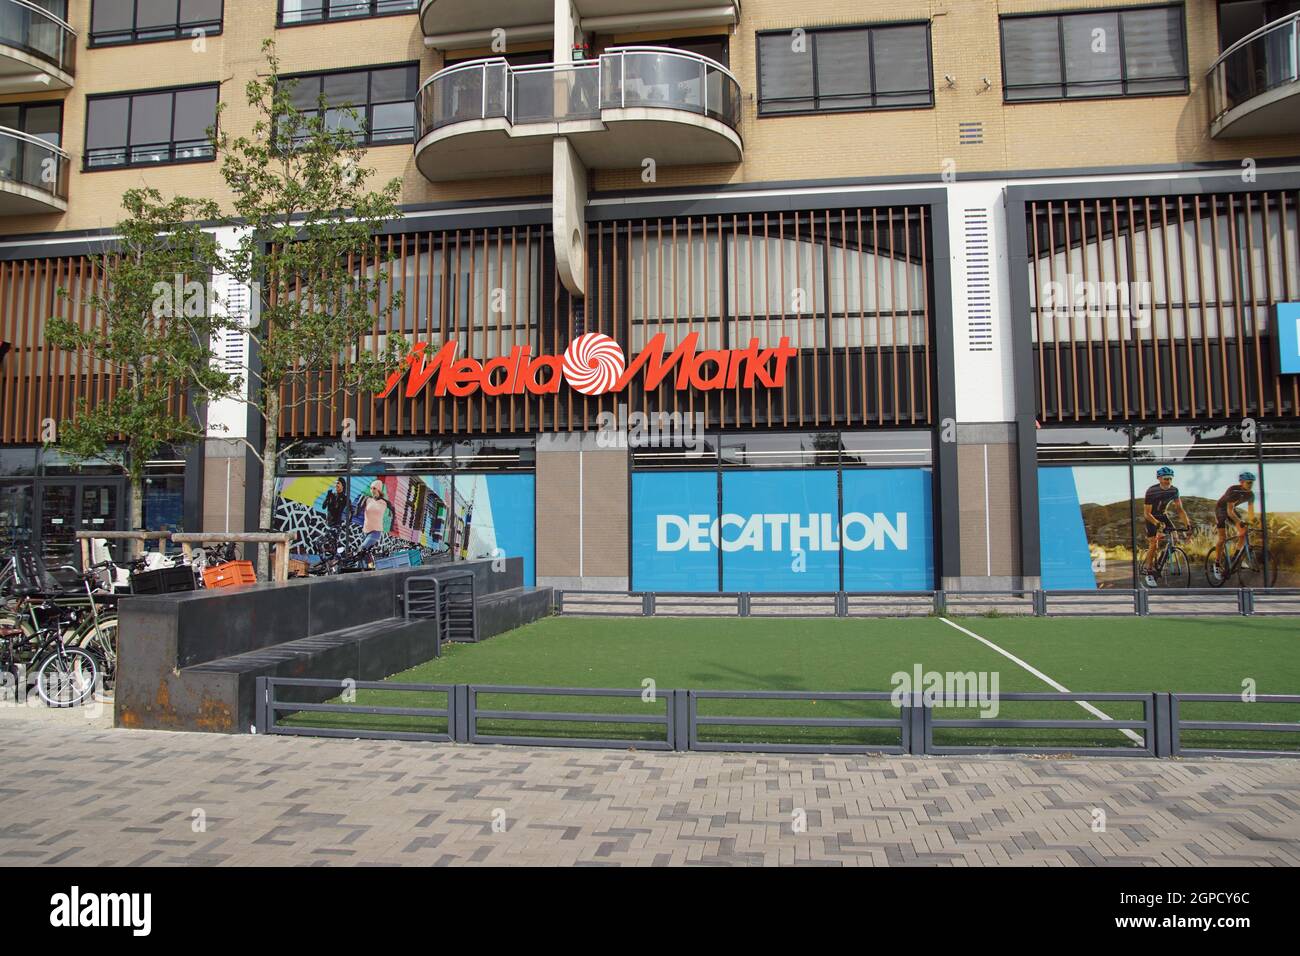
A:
[62,59]
[599,65]
[1252,36]
[34,140]
[28,168]
[1217,74]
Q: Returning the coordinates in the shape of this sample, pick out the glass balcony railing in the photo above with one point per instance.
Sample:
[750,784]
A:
[624,77]
[30,161]
[1255,64]
[34,30]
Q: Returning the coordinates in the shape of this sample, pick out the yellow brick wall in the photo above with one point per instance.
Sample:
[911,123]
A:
[910,142]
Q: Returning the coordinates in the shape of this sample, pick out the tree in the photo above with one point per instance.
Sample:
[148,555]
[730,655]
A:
[154,335]
[300,192]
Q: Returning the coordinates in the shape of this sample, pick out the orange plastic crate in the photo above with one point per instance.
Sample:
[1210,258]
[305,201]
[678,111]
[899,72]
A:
[229,574]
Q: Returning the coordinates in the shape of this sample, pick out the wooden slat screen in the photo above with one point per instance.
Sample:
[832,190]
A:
[37,380]
[1211,268]
[851,288]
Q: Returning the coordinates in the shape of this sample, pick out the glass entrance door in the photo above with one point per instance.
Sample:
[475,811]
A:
[66,507]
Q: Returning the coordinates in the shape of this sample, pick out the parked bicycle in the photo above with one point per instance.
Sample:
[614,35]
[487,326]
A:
[64,674]
[92,606]
[1250,562]
[1172,568]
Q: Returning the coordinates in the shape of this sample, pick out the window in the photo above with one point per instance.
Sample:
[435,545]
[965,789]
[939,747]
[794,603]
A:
[114,22]
[295,12]
[384,101]
[858,68]
[1138,51]
[146,129]
[42,120]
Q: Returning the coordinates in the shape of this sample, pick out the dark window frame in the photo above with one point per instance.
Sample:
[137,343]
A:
[182,31]
[38,104]
[1064,85]
[373,13]
[811,33]
[366,110]
[131,96]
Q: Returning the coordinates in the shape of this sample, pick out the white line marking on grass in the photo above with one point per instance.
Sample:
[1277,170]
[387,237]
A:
[1096,712]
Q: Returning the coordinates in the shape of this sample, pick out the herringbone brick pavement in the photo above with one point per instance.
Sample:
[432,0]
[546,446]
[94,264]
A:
[85,795]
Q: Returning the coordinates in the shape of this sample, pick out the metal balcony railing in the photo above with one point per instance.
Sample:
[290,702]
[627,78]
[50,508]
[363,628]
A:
[36,31]
[623,77]
[33,162]
[1255,64]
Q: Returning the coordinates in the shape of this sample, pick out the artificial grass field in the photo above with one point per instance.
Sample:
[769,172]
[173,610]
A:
[1086,655]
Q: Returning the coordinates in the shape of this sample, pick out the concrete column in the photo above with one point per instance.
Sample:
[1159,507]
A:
[582,514]
[987,428]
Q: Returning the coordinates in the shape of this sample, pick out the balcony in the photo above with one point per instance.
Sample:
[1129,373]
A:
[487,118]
[37,49]
[33,175]
[454,21]
[1255,86]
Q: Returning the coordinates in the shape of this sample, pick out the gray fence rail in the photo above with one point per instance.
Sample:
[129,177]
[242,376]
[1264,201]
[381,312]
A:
[1107,602]
[678,722]
[1178,724]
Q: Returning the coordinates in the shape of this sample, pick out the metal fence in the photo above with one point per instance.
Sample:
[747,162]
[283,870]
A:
[1082,603]
[712,720]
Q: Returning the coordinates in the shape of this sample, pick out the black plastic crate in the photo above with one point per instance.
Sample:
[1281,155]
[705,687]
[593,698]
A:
[163,581]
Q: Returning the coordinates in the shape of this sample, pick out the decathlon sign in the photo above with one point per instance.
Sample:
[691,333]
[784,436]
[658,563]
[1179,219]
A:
[593,364]
[782,532]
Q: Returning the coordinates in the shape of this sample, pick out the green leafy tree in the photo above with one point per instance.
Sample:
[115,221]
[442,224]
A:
[153,333]
[309,218]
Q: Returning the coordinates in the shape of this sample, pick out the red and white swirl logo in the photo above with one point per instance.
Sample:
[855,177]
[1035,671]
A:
[593,363]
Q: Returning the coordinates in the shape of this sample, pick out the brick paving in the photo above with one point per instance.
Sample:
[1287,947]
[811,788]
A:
[79,793]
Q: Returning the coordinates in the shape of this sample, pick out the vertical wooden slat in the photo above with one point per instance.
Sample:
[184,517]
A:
[1056,326]
[1067,253]
[1175,404]
[1120,326]
[880,343]
[1089,359]
[925,319]
[1265,201]
[1155,328]
[1254,297]
[1187,311]
[1203,298]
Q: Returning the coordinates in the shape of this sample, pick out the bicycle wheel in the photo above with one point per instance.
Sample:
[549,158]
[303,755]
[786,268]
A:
[102,642]
[1214,575]
[1177,572]
[67,677]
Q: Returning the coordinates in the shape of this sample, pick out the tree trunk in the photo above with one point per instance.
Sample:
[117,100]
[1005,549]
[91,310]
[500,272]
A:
[135,549]
[270,448]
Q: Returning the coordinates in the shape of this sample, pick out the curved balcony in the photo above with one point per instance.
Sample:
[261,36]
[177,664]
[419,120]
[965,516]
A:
[1255,83]
[454,20]
[487,118]
[33,175]
[37,49]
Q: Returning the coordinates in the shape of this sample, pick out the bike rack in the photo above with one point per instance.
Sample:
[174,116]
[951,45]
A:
[447,598]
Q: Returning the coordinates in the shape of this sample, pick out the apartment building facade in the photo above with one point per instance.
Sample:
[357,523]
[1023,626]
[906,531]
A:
[762,296]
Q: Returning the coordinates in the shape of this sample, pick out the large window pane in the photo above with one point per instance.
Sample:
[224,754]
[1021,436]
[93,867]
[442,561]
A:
[1031,56]
[901,58]
[1154,52]
[786,78]
[844,69]
[1092,55]
[106,131]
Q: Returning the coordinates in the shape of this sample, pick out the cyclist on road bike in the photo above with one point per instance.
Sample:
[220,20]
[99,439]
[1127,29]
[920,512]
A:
[1225,512]
[1160,497]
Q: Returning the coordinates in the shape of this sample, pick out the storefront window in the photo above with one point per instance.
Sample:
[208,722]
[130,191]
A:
[314,457]
[786,511]
[406,457]
[886,449]
[17,461]
[497,454]
[781,450]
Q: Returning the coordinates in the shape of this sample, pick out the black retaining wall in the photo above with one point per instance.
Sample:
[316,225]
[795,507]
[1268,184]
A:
[190,661]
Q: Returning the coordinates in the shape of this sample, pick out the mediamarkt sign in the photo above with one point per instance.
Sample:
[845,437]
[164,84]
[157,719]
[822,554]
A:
[593,364]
